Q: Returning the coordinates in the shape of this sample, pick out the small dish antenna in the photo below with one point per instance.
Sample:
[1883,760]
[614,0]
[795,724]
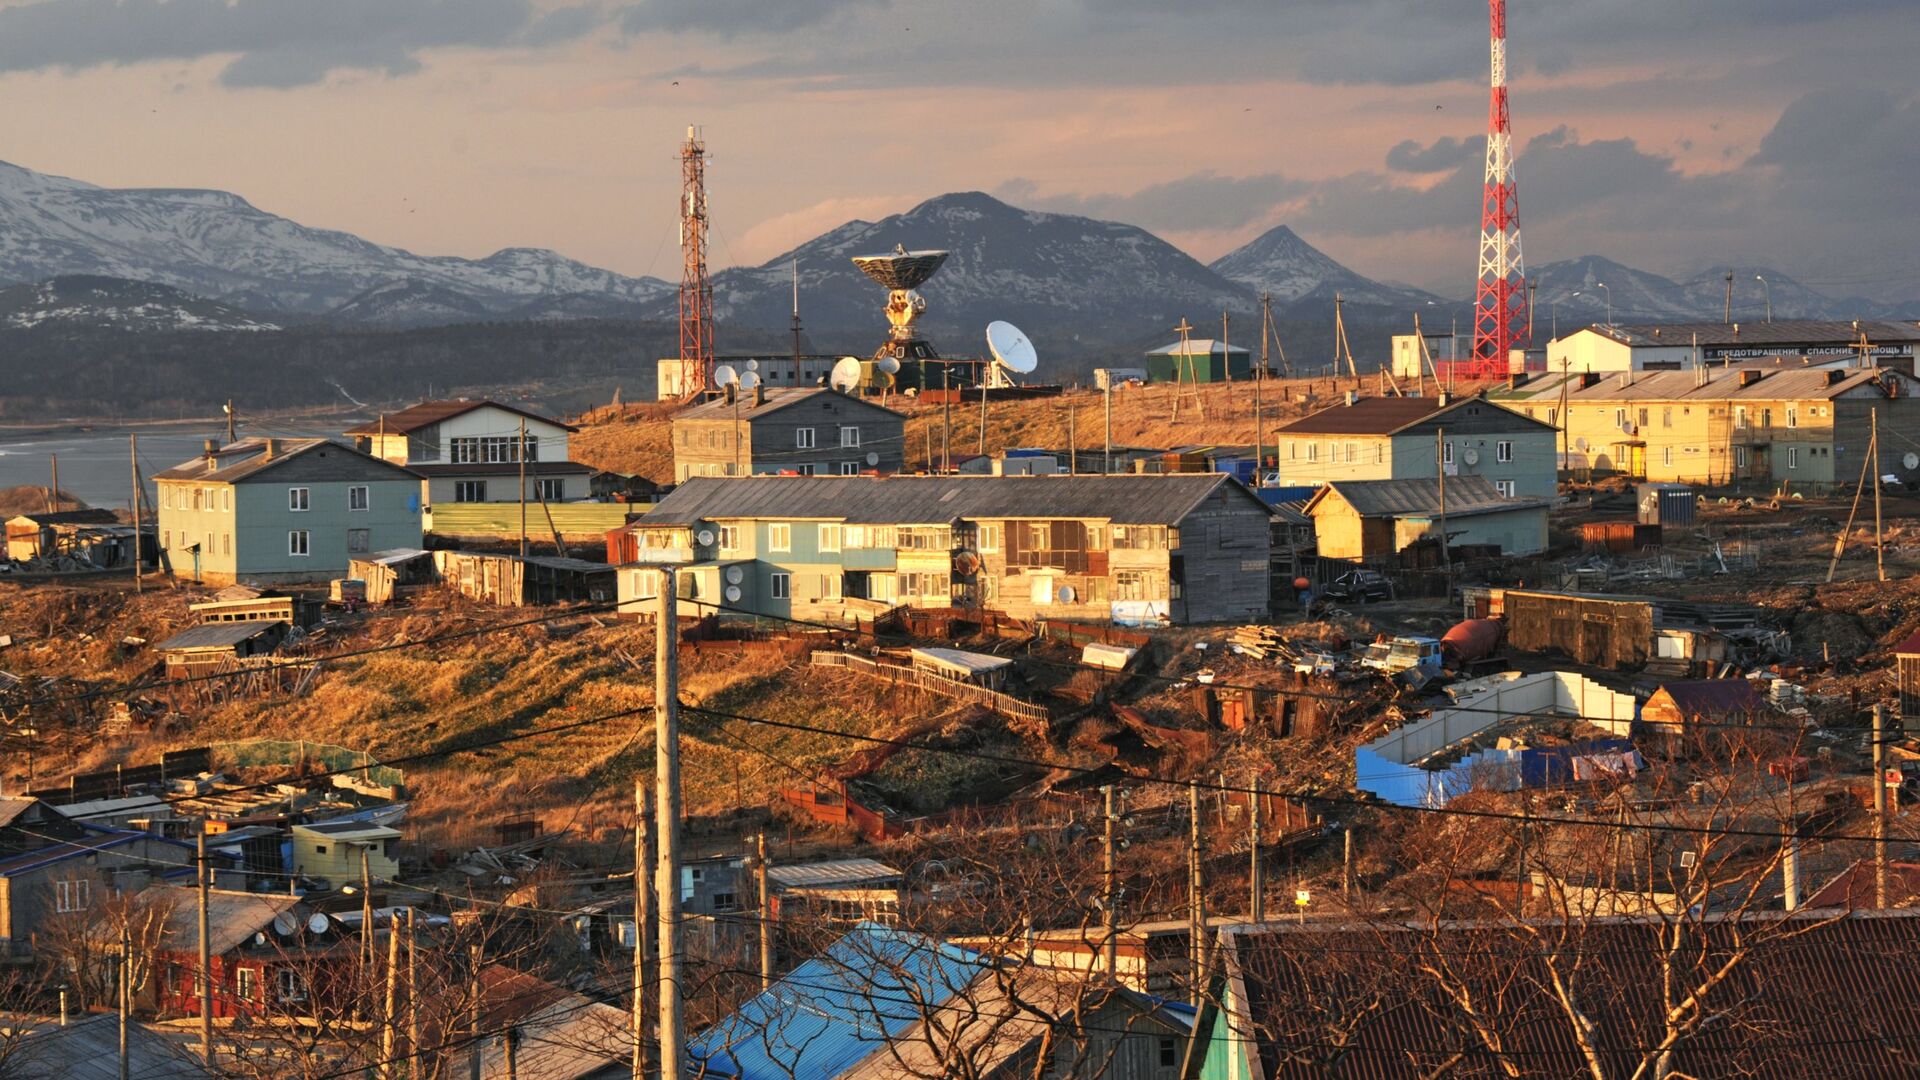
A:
[1066,594]
[873,458]
[749,380]
[705,536]
[735,575]
[1472,456]
[1911,460]
[753,365]
[733,594]
[724,375]
[887,364]
[318,923]
[1010,348]
[846,374]
[285,924]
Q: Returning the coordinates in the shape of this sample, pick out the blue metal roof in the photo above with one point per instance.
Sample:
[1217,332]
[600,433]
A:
[831,1012]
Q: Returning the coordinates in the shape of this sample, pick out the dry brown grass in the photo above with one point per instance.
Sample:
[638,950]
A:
[31,499]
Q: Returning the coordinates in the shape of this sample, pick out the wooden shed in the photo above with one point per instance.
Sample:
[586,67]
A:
[1677,706]
[980,669]
[512,581]
[1608,631]
[387,572]
[212,647]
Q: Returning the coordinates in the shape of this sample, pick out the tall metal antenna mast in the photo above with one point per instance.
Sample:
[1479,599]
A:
[1499,308]
[696,291]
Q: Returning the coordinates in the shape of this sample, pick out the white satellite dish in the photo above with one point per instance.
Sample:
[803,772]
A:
[750,380]
[733,594]
[887,364]
[1911,460]
[1011,348]
[753,365]
[873,458]
[724,375]
[735,575]
[1472,456]
[1580,443]
[846,374]
[317,923]
[1066,594]
[705,536]
[285,924]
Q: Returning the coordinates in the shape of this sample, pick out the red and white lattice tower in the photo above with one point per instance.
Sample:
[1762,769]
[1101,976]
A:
[1500,303]
[696,292]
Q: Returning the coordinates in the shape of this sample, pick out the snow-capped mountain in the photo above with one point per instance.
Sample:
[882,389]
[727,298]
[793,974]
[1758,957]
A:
[1069,281]
[1570,289]
[409,303]
[1279,262]
[80,302]
[219,245]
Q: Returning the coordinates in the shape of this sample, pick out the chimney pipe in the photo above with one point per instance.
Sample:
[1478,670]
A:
[1353,396]
[273,447]
[212,447]
[760,394]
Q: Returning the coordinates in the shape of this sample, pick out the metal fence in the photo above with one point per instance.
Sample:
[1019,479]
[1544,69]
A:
[301,752]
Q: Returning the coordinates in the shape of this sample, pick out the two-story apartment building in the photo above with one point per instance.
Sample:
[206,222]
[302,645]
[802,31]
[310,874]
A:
[798,431]
[1413,438]
[470,451]
[53,867]
[1761,424]
[266,510]
[1131,549]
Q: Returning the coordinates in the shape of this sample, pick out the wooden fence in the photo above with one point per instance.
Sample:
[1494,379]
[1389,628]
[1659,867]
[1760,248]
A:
[1004,704]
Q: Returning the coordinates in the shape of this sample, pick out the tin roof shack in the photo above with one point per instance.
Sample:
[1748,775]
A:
[263,947]
[1675,637]
[331,851]
[386,573]
[52,866]
[794,430]
[562,1035]
[980,669]
[1676,708]
[91,539]
[1376,519]
[1801,990]
[203,650]
[512,581]
[836,891]
[243,603]
[1501,733]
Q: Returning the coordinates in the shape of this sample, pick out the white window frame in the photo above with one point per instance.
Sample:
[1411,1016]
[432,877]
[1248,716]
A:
[1446,453]
[990,538]
[849,435]
[1793,457]
[550,489]
[781,587]
[74,894]
[363,495]
[806,468]
[1503,451]
[849,468]
[299,500]
[832,586]
[729,538]
[299,543]
[779,536]
[245,983]
[830,538]
[1793,416]
[1504,487]
[1740,457]
[1313,451]
[803,438]
[470,486]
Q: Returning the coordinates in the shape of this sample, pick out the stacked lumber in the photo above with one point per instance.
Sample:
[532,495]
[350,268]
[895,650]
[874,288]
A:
[1261,643]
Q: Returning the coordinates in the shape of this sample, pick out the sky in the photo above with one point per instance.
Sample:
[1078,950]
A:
[1667,134]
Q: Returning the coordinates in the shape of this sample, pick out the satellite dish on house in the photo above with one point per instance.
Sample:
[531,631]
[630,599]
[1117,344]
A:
[724,375]
[753,365]
[1911,460]
[733,594]
[705,536]
[1010,347]
[1066,594]
[873,458]
[1472,456]
[846,374]
[318,923]
[285,924]
[735,575]
[750,380]
[887,364]
[1580,443]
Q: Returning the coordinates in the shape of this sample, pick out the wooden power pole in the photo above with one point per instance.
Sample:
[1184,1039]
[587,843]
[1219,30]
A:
[1879,539]
[133,457]
[1257,902]
[520,455]
[642,918]
[1197,898]
[1440,467]
[1110,902]
[666,715]
[1880,806]
[206,960]
[390,1016]
[765,891]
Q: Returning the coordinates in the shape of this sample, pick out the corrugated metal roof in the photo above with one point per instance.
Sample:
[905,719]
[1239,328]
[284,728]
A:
[1817,995]
[218,635]
[1388,415]
[820,875]
[428,413]
[1713,697]
[970,662]
[89,1049]
[240,460]
[1466,496]
[778,397]
[835,1009]
[232,917]
[1198,347]
[1761,334]
[1773,384]
[1135,499]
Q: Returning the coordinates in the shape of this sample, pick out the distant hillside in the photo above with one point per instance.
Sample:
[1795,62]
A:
[1293,271]
[81,303]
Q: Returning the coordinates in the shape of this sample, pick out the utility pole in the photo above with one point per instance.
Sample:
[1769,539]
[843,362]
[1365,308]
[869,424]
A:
[1727,317]
[985,376]
[206,961]
[1879,541]
[1110,878]
[1073,444]
[520,454]
[766,910]
[1106,464]
[53,493]
[133,456]
[1226,351]
[1440,467]
[474,1010]
[946,416]
[512,1046]
[1197,897]
[230,419]
[1257,907]
[366,911]
[1880,806]
[642,919]
[1259,410]
[126,991]
[666,742]
[390,1035]
[413,1001]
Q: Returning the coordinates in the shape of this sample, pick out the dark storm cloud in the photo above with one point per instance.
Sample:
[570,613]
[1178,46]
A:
[279,42]
[1443,154]
[1202,201]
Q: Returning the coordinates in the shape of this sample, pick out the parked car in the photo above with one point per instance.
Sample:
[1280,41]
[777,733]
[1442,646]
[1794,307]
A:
[1359,586]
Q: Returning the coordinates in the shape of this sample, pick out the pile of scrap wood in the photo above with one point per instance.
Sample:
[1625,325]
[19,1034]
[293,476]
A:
[503,862]
[1262,643]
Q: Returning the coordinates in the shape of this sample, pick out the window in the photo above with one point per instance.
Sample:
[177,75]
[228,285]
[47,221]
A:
[645,584]
[466,491]
[1643,418]
[849,468]
[72,895]
[990,537]
[359,541]
[780,537]
[1740,457]
[1379,453]
[803,438]
[1553,416]
[297,543]
[730,538]
[554,490]
[1793,457]
[1169,1052]
[849,436]
[1793,416]
[243,983]
[357,497]
[226,499]
[1446,453]
[1313,451]
[1739,416]
[226,543]
[829,538]
[831,586]
[805,468]
[1666,416]
[299,499]
[292,986]
[782,586]
[1667,456]
[1503,450]
[166,538]
[1620,419]
[166,497]
[492,449]
[725,901]
[1505,487]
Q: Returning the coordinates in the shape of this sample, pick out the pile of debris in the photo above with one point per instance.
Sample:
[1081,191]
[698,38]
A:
[505,864]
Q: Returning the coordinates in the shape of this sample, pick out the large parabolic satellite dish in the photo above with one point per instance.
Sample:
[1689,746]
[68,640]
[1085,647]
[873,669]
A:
[1010,348]
[901,269]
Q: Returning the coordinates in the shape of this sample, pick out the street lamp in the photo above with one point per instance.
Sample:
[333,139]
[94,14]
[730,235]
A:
[1768,289]
[1603,285]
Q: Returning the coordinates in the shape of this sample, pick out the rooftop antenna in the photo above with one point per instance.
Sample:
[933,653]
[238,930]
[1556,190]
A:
[1340,346]
[696,291]
[1183,369]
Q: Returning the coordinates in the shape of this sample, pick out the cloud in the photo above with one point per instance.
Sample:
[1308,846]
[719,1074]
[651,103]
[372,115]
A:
[730,18]
[279,43]
[1203,201]
[1444,154]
